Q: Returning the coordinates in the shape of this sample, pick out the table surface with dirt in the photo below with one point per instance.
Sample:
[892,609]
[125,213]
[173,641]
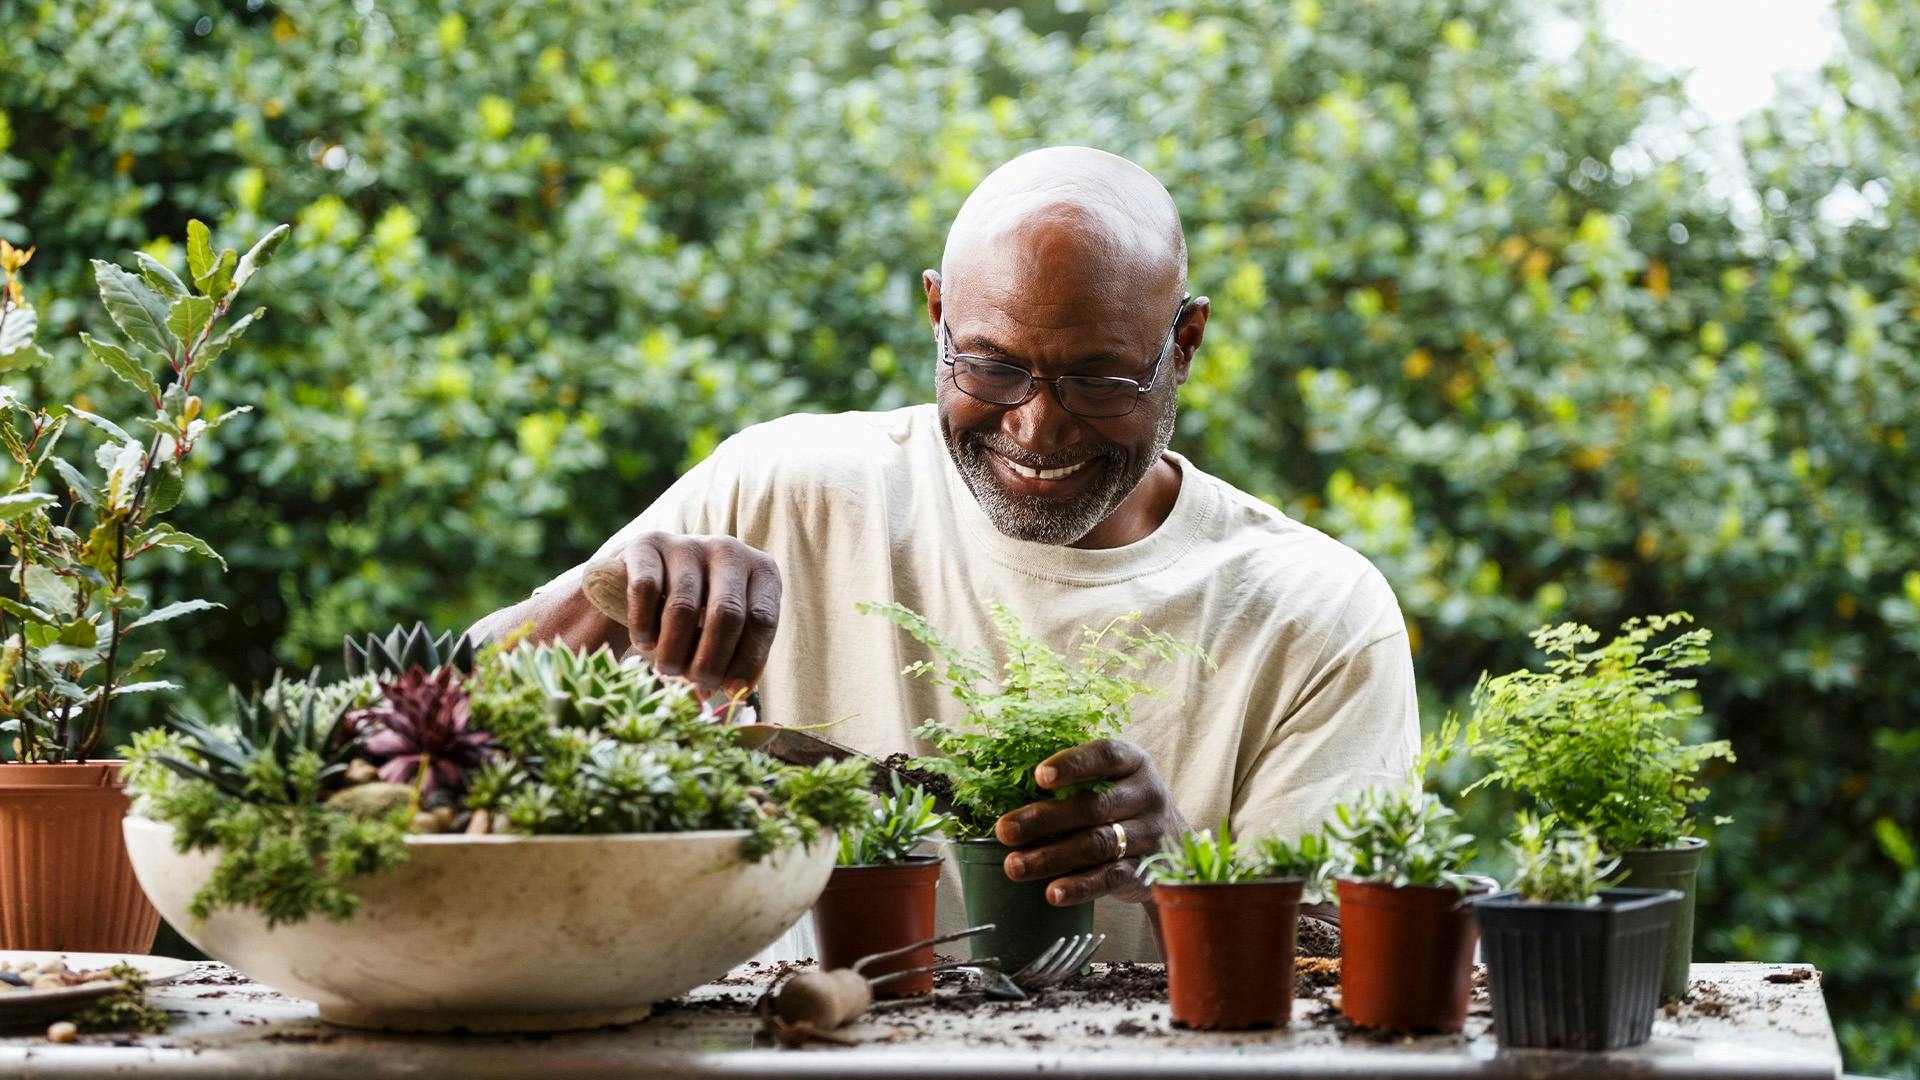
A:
[1739,1020]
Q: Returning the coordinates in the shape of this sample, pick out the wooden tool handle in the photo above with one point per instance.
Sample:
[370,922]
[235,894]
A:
[823,1000]
[605,583]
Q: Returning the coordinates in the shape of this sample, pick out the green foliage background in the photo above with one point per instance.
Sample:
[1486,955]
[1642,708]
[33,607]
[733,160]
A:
[546,255]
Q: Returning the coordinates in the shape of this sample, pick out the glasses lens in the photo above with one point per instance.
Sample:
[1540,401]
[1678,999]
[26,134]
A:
[1002,384]
[1091,396]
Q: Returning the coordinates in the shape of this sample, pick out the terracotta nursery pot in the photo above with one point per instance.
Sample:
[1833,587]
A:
[1676,868]
[1229,951]
[1025,924]
[1576,976]
[1406,954]
[875,909]
[65,882]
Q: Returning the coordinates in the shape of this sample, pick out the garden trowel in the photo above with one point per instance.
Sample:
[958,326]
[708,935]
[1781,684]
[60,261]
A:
[605,583]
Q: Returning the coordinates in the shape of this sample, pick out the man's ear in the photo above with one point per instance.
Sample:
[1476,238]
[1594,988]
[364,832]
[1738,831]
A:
[930,280]
[1186,339]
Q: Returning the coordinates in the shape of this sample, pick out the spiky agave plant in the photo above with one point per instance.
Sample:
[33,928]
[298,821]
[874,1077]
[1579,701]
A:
[403,649]
[419,731]
[255,755]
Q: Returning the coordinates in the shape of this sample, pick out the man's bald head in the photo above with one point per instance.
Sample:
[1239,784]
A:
[1064,217]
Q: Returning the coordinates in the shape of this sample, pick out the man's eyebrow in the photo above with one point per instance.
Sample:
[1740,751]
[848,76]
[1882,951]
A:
[980,346]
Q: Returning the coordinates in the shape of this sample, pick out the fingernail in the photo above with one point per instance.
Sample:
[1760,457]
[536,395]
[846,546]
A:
[644,644]
[1045,775]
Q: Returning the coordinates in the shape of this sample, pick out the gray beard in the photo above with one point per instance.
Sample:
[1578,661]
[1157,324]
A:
[1036,518]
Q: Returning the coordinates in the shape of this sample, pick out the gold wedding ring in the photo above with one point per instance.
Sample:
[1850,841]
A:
[1119,842]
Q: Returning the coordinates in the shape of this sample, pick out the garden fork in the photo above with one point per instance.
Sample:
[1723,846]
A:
[1063,958]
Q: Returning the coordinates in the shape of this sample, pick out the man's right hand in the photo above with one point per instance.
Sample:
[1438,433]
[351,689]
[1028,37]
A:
[705,607]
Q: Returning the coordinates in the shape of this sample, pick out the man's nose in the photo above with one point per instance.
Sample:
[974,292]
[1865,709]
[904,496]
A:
[1039,425]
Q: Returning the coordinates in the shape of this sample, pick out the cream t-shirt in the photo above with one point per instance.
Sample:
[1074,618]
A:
[1312,701]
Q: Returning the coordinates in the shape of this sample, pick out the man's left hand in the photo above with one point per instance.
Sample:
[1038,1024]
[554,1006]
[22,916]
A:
[1073,839]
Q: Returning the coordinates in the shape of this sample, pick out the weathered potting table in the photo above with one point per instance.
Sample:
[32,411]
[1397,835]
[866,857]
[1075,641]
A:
[1743,1020]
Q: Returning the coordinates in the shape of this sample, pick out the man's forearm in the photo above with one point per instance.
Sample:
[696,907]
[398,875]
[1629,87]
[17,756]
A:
[562,614]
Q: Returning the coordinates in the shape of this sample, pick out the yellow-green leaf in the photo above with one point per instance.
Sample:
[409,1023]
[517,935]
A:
[199,250]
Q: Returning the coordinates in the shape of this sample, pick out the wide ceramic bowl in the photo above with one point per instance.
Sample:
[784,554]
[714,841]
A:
[507,933]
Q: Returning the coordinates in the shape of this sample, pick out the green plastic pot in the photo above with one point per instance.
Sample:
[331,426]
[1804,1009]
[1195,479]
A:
[1025,925]
[1676,868]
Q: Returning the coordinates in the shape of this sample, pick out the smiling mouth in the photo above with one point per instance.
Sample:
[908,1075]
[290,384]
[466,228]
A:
[1043,474]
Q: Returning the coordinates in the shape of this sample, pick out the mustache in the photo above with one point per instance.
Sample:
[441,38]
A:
[975,441]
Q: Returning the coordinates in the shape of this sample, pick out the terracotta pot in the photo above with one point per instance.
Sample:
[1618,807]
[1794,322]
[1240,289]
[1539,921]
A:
[1406,954]
[1229,951]
[1025,924]
[874,909]
[65,882]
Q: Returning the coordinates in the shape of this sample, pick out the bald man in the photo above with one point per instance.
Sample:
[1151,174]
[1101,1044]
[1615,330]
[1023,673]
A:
[1041,477]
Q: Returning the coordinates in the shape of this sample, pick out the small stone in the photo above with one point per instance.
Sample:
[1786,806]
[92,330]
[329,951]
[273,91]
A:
[480,823]
[501,824]
[8,978]
[424,822]
[438,798]
[362,771]
[443,815]
[48,982]
[63,1032]
[371,800]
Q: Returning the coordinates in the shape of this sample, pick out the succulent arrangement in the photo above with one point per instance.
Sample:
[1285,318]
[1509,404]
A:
[1034,705]
[898,823]
[1596,739]
[310,785]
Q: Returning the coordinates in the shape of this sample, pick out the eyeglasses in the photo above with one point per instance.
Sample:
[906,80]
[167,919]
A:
[1094,396]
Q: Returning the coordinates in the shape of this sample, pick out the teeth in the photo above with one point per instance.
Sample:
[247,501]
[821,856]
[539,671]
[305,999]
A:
[1044,474]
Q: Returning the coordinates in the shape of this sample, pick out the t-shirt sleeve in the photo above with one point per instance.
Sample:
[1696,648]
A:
[1354,722]
[701,502]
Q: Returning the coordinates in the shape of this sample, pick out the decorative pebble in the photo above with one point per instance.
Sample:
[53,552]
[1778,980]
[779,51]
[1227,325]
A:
[8,978]
[361,771]
[480,823]
[48,982]
[63,1032]
[443,815]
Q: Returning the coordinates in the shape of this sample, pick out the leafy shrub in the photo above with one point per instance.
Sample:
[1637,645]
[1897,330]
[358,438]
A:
[1592,739]
[63,667]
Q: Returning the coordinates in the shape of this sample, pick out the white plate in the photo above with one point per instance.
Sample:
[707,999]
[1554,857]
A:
[19,1008]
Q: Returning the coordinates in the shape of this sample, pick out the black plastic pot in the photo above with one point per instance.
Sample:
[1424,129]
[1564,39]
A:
[1025,925]
[1676,868]
[1576,977]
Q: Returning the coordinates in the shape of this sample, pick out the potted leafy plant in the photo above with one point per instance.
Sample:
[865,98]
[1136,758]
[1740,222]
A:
[72,618]
[1572,965]
[1596,742]
[550,840]
[881,894]
[1041,703]
[1229,917]
[1406,934]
